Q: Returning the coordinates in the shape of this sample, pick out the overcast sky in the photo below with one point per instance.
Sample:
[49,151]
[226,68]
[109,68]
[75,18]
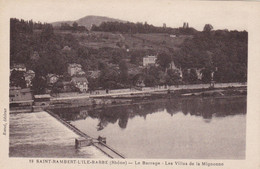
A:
[221,15]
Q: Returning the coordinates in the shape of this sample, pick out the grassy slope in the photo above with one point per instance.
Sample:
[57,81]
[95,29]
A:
[154,41]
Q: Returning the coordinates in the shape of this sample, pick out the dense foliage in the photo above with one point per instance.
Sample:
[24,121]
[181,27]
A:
[75,27]
[223,52]
[130,27]
[17,79]
[45,50]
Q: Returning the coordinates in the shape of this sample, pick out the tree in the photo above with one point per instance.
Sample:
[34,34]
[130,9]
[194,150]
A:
[94,28]
[108,78]
[185,76]
[136,56]
[17,79]
[206,75]
[193,76]
[162,77]
[207,28]
[47,33]
[152,76]
[137,79]
[155,72]
[57,87]
[75,26]
[93,83]
[150,81]
[39,84]
[164,60]
[83,53]
[117,56]
[123,68]
[173,77]
[65,26]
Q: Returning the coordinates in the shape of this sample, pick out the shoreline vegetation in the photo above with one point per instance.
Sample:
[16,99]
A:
[96,101]
[106,101]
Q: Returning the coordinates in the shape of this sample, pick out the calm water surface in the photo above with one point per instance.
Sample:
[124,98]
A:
[199,128]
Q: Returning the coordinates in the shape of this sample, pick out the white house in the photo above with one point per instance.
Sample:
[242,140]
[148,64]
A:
[52,78]
[149,60]
[75,69]
[18,67]
[81,83]
[28,76]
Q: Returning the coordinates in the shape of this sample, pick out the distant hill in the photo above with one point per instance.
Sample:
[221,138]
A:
[87,21]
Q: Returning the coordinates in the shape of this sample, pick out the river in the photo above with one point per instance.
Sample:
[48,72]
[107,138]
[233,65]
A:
[41,135]
[193,128]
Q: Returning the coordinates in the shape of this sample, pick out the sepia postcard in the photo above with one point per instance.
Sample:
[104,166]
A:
[130,84]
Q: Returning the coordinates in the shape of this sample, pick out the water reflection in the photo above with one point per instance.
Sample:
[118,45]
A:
[207,108]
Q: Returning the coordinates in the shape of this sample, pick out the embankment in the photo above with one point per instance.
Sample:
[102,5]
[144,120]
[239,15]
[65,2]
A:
[134,96]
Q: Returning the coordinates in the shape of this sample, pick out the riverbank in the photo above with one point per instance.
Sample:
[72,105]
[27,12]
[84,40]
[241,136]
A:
[133,96]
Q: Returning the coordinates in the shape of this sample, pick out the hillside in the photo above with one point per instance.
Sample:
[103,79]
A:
[87,21]
[139,41]
[46,50]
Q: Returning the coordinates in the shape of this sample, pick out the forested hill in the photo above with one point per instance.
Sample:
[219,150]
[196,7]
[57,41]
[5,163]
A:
[42,49]
[223,51]
[87,21]
[130,27]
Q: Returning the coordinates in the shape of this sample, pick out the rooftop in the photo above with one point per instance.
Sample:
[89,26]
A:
[150,56]
[30,72]
[51,75]
[18,65]
[42,96]
[79,79]
[74,65]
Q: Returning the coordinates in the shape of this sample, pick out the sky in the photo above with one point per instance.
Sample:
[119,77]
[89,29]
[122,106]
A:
[221,15]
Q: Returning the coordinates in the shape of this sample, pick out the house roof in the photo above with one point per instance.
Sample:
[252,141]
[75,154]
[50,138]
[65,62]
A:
[52,75]
[172,65]
[134,70]
[94,73]
[65,82]
[14,88]
[18,65]
[74,65]
[66,48]
[30,71]
[81,72]
[79,79]
[42,96]
[150,56]
[25,90]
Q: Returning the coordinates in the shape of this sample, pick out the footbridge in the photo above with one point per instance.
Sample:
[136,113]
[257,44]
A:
[102,146]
